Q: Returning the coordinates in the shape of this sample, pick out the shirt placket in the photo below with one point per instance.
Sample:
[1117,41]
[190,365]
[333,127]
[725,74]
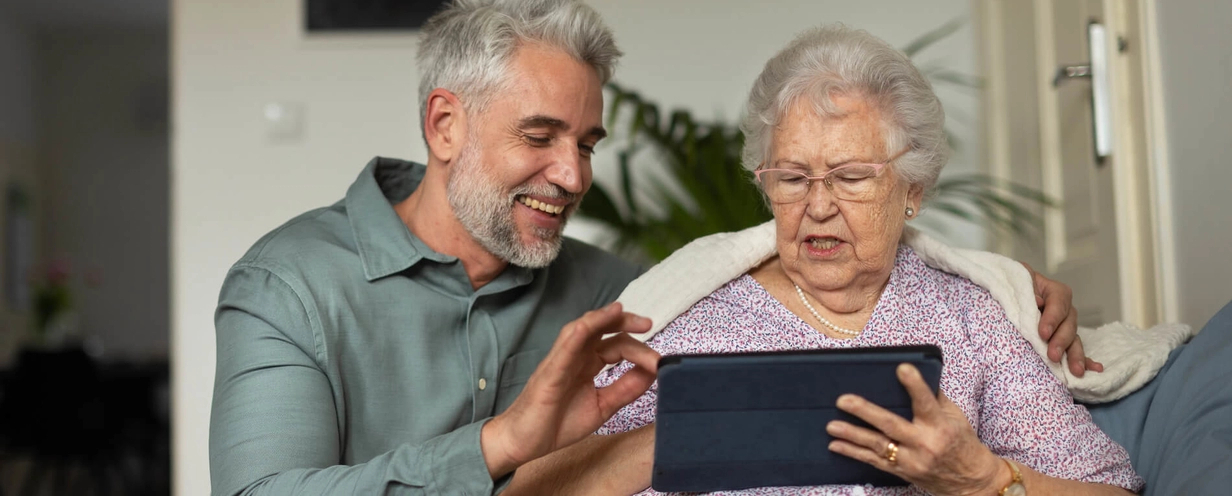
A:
[485,364]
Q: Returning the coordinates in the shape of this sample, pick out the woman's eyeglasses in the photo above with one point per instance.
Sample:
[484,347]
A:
[849,182]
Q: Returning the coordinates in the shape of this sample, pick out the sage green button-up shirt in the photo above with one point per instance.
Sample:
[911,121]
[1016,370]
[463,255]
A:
[353,359]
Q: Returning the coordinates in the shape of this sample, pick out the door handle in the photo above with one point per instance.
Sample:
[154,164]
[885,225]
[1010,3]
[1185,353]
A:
[1071,72]
[1101,100]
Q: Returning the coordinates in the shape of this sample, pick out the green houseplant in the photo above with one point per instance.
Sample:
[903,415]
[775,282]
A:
[703,189]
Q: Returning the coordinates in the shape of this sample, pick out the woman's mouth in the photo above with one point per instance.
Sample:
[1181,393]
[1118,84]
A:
[824,243]
[823,246]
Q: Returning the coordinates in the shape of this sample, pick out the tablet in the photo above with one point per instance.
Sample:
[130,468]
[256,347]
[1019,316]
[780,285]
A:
[727,422]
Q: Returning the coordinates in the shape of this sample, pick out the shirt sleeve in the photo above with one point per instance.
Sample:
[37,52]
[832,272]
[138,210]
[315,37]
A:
[274,424]
[1026,414]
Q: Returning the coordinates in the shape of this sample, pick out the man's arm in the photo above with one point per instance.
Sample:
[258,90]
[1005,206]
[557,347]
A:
[616,464]
[1058,324]
[273,426]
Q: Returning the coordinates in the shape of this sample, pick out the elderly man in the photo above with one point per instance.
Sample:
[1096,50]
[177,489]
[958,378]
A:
[419,336]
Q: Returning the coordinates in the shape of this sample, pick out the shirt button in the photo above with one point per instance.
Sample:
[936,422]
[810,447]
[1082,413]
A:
[483,384]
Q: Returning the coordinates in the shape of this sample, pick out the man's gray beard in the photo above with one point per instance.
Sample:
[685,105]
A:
[487,213]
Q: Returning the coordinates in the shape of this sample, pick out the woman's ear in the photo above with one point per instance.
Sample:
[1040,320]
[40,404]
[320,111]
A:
[444,125]
[915,197]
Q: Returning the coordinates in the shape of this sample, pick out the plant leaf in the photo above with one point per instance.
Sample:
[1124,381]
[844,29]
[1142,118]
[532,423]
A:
[928,39]
[697,186]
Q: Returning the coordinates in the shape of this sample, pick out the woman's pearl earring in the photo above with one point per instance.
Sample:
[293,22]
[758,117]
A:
[910,212]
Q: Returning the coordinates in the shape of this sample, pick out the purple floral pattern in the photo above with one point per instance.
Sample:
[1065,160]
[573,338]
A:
[1017,407]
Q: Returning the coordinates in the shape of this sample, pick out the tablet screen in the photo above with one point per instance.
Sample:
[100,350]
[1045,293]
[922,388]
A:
[727,422]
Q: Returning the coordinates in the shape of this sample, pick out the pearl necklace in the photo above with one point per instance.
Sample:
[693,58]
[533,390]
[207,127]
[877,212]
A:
[823,320]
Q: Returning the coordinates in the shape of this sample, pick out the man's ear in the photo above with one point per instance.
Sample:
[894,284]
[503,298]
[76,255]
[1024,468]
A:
[444,125]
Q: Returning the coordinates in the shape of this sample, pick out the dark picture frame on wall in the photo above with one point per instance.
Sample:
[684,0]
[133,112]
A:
[323,16]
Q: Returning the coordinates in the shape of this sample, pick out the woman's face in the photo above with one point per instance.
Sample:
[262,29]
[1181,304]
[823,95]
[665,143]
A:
[827,244]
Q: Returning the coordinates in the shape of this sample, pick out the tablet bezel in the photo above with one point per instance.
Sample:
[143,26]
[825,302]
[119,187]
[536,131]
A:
[687,472]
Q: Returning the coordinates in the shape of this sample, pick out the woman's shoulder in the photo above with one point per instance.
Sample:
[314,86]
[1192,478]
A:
[956,295]
[739,316]
[739,299]
[949,286]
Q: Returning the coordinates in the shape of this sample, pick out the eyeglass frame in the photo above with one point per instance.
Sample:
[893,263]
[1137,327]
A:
[824,178]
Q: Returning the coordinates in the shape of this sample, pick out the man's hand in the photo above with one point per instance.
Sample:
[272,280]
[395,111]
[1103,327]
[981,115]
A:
[560,404]
[1059,323]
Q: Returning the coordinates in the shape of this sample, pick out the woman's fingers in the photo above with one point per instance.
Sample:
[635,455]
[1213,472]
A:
[924,406]
[937,449]
[871,440]
[881,419]
[850,440]
[923,400]
[861,453]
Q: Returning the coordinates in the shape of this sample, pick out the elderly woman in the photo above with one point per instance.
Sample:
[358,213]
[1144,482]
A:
[845,138]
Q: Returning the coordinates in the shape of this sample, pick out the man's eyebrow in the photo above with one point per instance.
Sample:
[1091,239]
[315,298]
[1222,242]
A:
[542,121]
[536,121]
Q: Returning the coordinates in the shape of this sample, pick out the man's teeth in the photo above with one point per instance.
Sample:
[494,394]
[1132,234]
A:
[543,207]
[824,243]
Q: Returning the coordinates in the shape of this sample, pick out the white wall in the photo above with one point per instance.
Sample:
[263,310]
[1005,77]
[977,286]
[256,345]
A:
[230,184]
[1196,54]
[103,160]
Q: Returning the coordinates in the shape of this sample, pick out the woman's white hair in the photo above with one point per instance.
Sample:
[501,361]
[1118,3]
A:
[837,60]
[467,47]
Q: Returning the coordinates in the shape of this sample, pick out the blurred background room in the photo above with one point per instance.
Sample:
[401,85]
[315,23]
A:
[84,323]
[146,144]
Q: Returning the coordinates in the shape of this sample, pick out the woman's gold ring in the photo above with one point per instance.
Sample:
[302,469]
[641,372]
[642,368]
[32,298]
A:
[891,452]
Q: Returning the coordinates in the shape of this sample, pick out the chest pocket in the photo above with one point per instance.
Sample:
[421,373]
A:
[514,373]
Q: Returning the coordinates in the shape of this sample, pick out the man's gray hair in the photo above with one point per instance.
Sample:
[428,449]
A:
[467,47]
[835,59]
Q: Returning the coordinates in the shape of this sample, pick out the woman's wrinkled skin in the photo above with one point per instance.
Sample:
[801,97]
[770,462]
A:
[938,450]
[846,280]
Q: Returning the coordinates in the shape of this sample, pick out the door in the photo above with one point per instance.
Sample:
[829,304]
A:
[1066,114]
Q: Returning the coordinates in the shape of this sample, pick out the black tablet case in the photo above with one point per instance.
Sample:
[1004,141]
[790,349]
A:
[727,422]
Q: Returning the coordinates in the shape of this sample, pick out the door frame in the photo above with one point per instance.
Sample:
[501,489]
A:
[1018,135]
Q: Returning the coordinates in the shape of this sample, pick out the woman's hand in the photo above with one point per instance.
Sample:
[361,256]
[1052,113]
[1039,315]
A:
[938,450]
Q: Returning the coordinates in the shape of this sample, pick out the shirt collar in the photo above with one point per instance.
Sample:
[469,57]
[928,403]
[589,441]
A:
[384,243]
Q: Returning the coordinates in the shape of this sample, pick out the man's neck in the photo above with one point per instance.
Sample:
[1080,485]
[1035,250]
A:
[428,215]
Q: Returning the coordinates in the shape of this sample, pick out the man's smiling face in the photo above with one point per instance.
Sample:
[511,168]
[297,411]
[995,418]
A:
[526,161]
